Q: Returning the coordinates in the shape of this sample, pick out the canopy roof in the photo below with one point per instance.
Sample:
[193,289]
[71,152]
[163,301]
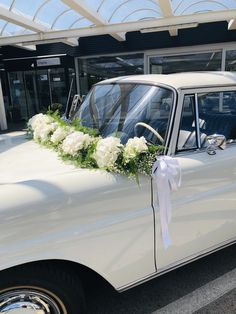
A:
[25,22]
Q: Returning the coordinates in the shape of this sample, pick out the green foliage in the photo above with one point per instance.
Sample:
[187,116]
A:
[75,124]
[142,163]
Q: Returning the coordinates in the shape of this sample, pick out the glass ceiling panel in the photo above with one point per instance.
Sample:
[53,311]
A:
[70,18]
[2,24]
[28,8]
[56,14]
[50,11]
[12,29]
[140,14]
[81,23]
[96,4]
[116,11]
[6,3]
[182,7]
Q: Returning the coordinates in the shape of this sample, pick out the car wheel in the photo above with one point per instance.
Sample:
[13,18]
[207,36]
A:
[40,290]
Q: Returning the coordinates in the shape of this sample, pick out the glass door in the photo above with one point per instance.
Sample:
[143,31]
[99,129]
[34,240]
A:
[31,93]
[58,86]
[18,110]
[52,88]
[24,97]
[44,89]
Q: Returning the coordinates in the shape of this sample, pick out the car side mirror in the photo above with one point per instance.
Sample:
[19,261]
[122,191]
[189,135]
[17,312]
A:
[216,141]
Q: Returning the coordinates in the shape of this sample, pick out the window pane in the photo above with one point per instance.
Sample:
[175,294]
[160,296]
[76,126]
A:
[117,108]
[210,61]
[93,70]
[230,63]
[218,111]
[187,138]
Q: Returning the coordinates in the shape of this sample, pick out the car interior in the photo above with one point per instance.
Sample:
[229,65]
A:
[217,115]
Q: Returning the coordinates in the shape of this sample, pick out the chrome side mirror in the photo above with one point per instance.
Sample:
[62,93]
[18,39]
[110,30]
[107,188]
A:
[215,141]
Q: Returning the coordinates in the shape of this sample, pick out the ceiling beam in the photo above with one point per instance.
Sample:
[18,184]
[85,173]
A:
[174,21]
[20,20]
[26,47]
[232,24]
[166,9]
[119,37]
[80,7]
[24,22]
[165,6]
[71,41]
[173,32]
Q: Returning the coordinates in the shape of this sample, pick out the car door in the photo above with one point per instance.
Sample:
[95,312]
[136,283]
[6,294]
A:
[204,207]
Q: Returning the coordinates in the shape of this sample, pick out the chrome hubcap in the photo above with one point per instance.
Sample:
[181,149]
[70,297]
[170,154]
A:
[26,301]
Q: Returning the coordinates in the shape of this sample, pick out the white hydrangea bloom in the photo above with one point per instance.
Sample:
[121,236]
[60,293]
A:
[135,146]
[107,151]
[39,120]
[76,141]
[59,135]
[43,131]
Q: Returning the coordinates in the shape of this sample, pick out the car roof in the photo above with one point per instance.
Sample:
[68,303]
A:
[181,80]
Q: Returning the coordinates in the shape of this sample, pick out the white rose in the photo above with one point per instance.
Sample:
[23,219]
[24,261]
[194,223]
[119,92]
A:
[43,131]
[59,135]
[107,151]
[76,141]
[135,146]
[39,120]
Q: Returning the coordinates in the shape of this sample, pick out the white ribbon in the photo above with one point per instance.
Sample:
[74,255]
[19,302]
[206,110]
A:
[167,175]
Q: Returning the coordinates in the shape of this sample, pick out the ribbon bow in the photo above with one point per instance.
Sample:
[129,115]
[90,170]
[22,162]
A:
[167,175]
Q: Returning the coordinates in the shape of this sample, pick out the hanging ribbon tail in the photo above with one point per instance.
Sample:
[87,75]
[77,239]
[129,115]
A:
[167,176]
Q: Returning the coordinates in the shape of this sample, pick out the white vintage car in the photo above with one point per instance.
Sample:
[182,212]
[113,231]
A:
[59,223]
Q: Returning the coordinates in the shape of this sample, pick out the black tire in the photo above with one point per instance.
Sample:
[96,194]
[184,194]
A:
[59,285]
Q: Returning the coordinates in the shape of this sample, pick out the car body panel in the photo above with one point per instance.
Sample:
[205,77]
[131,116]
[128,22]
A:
[107,222]
[203,209]
[53,210]
[181,80]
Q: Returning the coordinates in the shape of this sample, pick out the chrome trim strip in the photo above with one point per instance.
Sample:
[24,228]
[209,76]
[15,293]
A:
[197,121]
[194,87]
[178,264]
[154,227]
[171,125]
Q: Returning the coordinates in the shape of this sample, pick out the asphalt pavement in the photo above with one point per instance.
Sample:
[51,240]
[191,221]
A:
[206,286]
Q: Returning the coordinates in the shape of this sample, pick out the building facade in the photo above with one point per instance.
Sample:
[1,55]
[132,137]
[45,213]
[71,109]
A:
[32,81]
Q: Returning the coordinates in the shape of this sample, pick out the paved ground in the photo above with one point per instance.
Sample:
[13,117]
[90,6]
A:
[207,286]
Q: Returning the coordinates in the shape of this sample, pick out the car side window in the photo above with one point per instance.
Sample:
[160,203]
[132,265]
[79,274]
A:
[187,137]
[218,111]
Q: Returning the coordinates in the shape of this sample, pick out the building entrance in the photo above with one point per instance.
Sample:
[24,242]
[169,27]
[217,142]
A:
[34,91]
[23,95]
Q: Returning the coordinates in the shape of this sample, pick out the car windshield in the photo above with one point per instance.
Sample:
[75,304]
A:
[115,109]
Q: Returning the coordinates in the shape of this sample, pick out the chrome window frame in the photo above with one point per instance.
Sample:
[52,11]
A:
[177,119]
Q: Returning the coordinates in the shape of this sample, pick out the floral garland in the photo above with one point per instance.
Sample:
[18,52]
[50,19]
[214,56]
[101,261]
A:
[85,148]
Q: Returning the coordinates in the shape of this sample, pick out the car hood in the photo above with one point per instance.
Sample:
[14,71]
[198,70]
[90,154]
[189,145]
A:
[22,159]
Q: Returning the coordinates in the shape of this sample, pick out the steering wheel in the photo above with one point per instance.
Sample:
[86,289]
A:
[160,138]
